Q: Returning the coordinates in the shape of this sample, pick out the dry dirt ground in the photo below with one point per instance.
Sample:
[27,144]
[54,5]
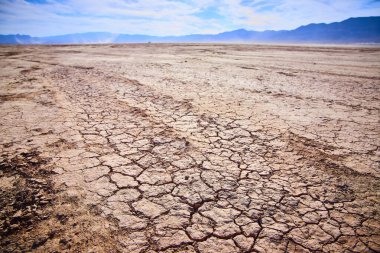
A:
[189,148]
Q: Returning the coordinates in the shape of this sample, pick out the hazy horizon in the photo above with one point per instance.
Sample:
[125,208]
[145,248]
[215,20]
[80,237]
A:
[41,18]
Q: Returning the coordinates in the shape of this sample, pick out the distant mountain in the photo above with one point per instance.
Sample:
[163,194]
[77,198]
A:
[15,39]
[352,30]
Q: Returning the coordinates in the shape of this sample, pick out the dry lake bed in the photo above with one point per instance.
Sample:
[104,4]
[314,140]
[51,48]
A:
[189,148]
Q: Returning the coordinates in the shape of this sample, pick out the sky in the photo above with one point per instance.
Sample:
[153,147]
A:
[172,17]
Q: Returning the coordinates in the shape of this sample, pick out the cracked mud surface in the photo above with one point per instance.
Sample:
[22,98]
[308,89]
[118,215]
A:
[190,148]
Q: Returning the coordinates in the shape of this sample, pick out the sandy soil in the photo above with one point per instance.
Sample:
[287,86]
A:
[189,148]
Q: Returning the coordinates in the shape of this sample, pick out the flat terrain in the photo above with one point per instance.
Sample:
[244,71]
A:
[190,148]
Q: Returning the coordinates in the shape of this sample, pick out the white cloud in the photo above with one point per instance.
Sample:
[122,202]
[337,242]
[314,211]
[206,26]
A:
[170,17]
[289,14]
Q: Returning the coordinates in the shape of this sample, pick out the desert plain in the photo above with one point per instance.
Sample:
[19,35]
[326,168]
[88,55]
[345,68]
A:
[190,148]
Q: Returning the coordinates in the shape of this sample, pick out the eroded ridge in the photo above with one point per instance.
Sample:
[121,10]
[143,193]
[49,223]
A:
[175,177]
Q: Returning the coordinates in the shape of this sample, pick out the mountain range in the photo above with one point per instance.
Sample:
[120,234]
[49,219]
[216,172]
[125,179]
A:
[352,30]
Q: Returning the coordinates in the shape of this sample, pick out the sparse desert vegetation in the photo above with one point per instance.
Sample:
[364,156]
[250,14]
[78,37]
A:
[189,148]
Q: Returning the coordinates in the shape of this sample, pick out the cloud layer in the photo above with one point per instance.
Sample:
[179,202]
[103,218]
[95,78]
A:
[172,17]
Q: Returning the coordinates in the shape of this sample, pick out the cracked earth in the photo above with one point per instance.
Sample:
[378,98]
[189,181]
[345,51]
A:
[190,148]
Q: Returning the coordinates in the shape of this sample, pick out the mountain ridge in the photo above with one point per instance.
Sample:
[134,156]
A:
[352,30]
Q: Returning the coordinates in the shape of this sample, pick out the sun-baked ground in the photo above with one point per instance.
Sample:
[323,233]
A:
[189,148]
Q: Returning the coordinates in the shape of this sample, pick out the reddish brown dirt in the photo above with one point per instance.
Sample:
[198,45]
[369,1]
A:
[190,148]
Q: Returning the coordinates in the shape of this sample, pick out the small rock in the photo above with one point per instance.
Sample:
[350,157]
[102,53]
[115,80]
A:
[39,242]
[18,214]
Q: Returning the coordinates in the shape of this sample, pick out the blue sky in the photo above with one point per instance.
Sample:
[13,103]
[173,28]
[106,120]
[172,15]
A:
[172,17]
